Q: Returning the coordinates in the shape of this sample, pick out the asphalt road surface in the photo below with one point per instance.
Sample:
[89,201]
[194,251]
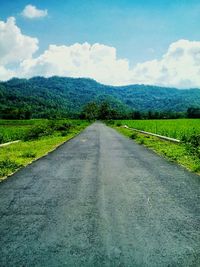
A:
[100,200]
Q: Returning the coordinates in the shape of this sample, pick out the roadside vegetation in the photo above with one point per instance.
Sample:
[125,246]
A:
[178,129]
[186,153]
[38,137]
[11,130]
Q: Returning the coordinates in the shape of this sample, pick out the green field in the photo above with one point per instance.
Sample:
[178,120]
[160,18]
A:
[11,130]
[38,137]
[172,128]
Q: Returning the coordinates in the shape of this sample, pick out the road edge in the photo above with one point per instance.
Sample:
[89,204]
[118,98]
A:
[3,179]
[184,163]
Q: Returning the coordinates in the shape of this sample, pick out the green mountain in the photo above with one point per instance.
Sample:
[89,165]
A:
[43,97]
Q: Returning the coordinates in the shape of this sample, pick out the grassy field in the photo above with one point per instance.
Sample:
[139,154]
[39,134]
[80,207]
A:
[11,130]
[186,153]
[38,138]
[172,128]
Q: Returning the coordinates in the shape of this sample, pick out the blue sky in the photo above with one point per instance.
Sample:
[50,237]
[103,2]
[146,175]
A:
[140,30]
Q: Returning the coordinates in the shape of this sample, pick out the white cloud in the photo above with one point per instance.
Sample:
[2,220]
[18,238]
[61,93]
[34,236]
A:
[14,47]
[6,74]
[33,12]
[80,60]
[178,67]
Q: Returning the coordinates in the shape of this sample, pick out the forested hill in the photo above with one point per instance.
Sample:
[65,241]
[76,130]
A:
[65,96]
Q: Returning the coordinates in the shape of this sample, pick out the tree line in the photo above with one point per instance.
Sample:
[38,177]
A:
[104,111]
[100,111]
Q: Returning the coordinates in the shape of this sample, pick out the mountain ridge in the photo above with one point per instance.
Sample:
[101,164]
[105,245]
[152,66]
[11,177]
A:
[67,96]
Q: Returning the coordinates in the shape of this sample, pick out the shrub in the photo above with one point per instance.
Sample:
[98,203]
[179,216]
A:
[7,166]
[29,154]
[64,133]
[111,122]
[38,131]
[119,124]
[134,136]
[1,138]
[141,141]
[192,143]
[62,126]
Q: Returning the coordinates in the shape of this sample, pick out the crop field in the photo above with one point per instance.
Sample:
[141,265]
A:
[178,128]
[10,133]
[11,130]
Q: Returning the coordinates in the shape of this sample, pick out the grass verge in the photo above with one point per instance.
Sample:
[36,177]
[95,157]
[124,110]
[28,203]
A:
[174,152]
[18,155]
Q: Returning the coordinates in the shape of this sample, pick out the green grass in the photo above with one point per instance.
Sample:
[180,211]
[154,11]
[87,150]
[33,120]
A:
[11,130]
[20,154]
[172,151]
[10,133]
[22,122]
[178,128]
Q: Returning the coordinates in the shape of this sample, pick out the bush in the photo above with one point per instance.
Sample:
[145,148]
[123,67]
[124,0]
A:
[60,125]
[29,154]
[134,136]
[111,122]
[38,131]
[63,127]
[192,143]
[141,141]
[64,133]
[7,166]
[47,129]
[119,124]
[1,138]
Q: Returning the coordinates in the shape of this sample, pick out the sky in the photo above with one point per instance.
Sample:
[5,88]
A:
[115,42]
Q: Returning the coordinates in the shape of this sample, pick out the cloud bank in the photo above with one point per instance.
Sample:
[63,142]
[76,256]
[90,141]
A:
[32,12]
[79,60]
[15,47]
[178,67]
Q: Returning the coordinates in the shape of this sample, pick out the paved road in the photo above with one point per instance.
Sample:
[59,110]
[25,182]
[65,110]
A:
[100,200]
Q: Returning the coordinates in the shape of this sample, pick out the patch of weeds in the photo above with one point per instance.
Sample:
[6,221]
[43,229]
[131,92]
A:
[8,166]
[110,122]
[134,135]
[1,138]
[37,132]
[29,154]
[64,133]
[196,168]
[141,141]
[63,126]
[192,144]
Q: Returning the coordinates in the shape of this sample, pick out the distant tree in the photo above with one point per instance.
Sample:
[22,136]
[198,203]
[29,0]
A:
[136,115]
[105,111]
[90,111]
[193,112]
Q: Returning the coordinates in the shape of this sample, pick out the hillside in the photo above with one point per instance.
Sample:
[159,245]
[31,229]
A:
[42,97]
